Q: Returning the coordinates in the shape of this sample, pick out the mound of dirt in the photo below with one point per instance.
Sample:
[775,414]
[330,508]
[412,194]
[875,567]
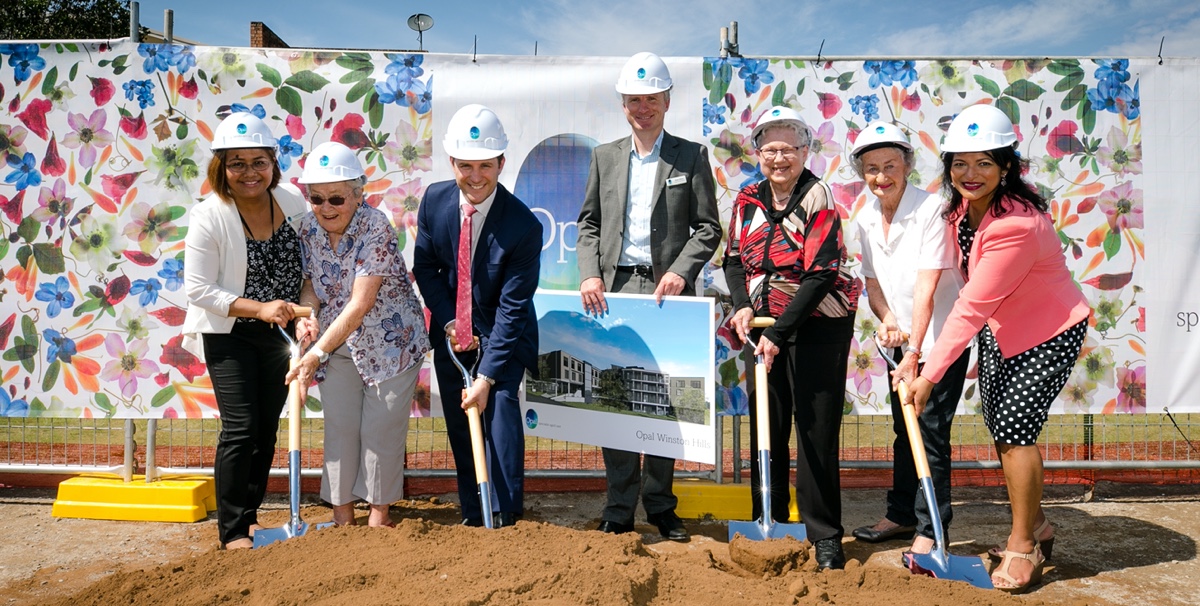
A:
[770,558]
[532,563]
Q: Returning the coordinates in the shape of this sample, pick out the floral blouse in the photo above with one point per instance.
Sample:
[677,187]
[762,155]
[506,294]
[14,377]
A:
[392,337]
[273,268]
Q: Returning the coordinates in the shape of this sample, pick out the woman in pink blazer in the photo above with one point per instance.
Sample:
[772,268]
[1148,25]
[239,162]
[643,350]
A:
[1024,307]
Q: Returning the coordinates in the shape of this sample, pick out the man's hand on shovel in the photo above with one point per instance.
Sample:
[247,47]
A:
[477,395]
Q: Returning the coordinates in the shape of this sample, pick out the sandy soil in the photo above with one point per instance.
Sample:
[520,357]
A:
[1125,545]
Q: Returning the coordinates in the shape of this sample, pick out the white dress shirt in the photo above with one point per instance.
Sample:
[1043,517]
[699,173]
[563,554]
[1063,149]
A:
[635,242]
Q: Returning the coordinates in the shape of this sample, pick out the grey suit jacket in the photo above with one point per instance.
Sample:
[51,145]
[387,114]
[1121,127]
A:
[685,227]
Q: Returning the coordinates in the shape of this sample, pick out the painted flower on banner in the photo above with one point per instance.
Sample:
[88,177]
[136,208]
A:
[755,73]
[58,346]
[12,408]
[172,272]
[162,57]
[408,151]
[865,365]
[823,147]
[288,149]
[866,106]
[225,67]
[174,165]
[58,296]
[54,206]
[147,291]
[12,139]
[884,73]
[1078,394]
[257,111]
[1119,155]
[136,323]
[150,226]
[1096,362]
[1131,383]
[403,201]
[25,173]
[127,364]
[732,151]
[24,60]
[87,135]
[713,114]
[946,75]
[98,243]
[143,90]
[419,96]
[1123,206]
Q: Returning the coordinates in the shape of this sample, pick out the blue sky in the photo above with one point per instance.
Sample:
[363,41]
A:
[690,28]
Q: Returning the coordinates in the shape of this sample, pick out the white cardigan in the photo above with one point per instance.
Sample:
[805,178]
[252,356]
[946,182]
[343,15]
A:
[214,273]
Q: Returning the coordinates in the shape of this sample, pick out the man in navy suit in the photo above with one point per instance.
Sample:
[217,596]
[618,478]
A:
[501,340]
[648,225]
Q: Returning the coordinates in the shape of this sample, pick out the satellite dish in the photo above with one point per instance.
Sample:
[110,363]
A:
[419,23]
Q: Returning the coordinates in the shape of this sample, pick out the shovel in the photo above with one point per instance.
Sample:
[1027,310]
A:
[938,563]
[477,451]
[295,526]
[766,527]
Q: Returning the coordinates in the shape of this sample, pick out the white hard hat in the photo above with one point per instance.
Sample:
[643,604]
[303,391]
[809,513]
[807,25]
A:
[777,115]
[880,134]
[979,128]
[475,133]
[644,74]
[242,130]
[331,162]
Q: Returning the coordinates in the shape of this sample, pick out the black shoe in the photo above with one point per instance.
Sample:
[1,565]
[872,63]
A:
[473,522]
[830,555]
[505,518]
[870,535]
[614,527]
[669,526]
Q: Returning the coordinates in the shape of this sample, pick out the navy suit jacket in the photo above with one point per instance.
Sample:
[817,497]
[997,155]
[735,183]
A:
[504,276]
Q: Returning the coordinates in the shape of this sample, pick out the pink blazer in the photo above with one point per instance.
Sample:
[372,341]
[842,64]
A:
[1018,283]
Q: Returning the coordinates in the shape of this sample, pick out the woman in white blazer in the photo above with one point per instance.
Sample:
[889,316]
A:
[242,275]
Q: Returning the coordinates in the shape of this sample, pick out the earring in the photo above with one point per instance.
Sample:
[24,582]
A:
[1003,181]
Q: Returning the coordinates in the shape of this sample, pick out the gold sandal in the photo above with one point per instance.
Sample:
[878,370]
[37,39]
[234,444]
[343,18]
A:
[1035,576]
[997,552]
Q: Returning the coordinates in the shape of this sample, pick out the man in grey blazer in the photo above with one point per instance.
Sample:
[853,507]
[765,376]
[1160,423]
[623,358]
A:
[648,225]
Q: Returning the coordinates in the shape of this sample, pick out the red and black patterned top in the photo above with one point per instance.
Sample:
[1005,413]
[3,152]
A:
[789,264]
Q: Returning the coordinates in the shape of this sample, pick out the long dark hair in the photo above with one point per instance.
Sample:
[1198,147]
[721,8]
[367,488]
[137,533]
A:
[1012,188]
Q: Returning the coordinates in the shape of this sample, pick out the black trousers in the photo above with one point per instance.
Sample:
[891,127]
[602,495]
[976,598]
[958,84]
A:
[807,388]
[628,473]
[247,367]
[905,504]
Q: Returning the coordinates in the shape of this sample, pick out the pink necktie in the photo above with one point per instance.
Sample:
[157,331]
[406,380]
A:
[462,308]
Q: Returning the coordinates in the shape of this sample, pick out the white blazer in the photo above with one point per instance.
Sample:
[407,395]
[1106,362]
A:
[214,273]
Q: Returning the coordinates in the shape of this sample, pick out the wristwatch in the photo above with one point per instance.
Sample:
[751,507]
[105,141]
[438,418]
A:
[322,355]
[491,382]
[911,349]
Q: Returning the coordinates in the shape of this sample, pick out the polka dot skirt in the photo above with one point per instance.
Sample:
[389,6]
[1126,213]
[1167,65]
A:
[1017,391]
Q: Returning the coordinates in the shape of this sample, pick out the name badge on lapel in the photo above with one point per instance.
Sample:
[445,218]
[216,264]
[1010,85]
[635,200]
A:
[680,180]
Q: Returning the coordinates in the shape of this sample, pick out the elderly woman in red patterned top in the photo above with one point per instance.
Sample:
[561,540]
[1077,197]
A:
[785,259]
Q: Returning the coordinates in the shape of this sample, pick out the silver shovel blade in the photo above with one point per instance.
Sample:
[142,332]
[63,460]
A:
[267,536]
[756,531]
[954,568]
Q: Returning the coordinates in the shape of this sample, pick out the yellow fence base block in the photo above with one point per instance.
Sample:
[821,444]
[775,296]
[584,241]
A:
[700,499]
[105,497]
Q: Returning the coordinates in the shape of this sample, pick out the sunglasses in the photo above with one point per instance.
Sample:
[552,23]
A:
[332,200]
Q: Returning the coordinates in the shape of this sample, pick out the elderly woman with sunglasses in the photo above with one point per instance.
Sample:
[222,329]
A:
[785,259]
[374,341]
[242,277]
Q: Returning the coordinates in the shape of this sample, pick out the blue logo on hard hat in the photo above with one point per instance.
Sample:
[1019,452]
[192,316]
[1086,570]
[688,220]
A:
[641,73]
[241,129]
[531,419]
[879,130]
[324,160]
[972,130]
[474,132]
[776,112]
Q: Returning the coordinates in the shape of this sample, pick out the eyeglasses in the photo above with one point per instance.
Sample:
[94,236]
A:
[788,152]
[332,200]
[258,165]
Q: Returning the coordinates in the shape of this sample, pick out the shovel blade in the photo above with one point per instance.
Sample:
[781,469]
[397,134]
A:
[267,536]
[955,568]
[756,531]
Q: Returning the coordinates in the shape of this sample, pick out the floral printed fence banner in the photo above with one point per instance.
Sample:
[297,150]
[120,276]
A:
[104,149]
[1079,123]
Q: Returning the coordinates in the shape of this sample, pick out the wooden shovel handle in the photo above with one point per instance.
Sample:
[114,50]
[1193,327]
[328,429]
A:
[475,422]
